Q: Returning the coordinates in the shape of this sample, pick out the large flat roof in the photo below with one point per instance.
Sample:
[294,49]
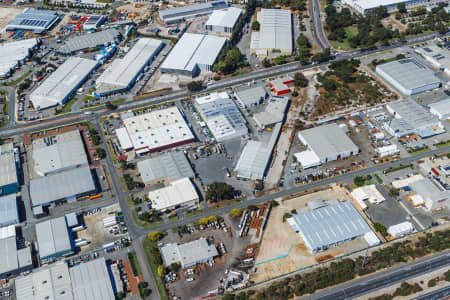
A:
[175,13]
[178,192]
[89,40]
[371,4]
[273,113]
[250,94]
[409,73]
[55,89]
[8,210]
[171,165]
[192,49]
[328,140]
[61,185]
[443,107]
[59,152]
[33,19]
[329,225]
[123,71]
[188,253]
[91,280]
[224,17]
[275,30]
[53,237]
[158,129]
[14,52]
[12,258]
[437,55]
[8,173]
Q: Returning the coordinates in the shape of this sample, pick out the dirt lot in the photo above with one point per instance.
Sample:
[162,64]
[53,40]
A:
[6,15]
[283,251]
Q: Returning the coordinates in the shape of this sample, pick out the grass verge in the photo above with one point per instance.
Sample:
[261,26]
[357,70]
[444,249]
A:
[442,144]
[378,179]
[19,79]
[419,151]
[67,107]
[134,264]
[144,224]
[194,212]
[398,168]
[148,245]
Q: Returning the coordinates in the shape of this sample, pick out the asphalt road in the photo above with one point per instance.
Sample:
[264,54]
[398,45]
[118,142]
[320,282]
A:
[319,34]
[443,293]
[363,286]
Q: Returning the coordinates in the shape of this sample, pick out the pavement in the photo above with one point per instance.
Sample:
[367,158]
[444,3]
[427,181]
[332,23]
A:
[443,293]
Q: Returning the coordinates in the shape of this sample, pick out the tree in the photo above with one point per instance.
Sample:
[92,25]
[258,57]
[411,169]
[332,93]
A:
[380,228]
[300,80]
[195,85]
[447,275]
[255,26]
[203,221]
[280,60]
[123,164]
[401,7]
[110,106]
[212,219]
[161,271]
[101,152]
[154,236]
[218,191]
[259,185]
[394,192]
[266,63]
[236,212]
[322,57]
[175,267]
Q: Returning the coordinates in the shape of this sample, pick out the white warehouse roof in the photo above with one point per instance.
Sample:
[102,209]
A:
[61,83]
[123,71]
[441,109]
[12,54]
[8,173]
[188,254]
[275,30]
[8,210]
[171,166]
[192,50]
[224,17]
[53,237]
[178,192]
[401,229]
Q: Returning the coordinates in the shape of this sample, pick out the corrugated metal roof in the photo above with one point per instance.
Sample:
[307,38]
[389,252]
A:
[53,237]
[171,165]
[188,253]
[8,249]
[275,30]
[14,52]
[178,13]
[179,192]
[443,107]
[89,40]
[8,173]
[250,94]
[34,19]
[224,17]
[273,113]
[8,210]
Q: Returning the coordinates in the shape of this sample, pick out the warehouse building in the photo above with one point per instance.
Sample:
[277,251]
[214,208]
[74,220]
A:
[438,56]
[14,261]
[365,6]
[280,85]
[273,113]
[367,193]
[256,157]
[409,117]
[431,195]
[330,225]
[155,131]
[54,239]
[123,72]
[409,76]
[167,167]
[325,143]
[389,150]
[93,22]
[61,84]
[63,186]
[192,54]
[14,54]
[180,14]
[90,41]
[223,21]
[275,33]
[222,116]
[189,254]
[179,193]
[441,109]
[37,20]
[8,172]
[250,94]
[58,153]
[401,229]
[9,215]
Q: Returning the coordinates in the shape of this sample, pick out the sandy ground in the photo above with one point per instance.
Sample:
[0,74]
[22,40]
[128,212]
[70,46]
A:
[7,14]
[279,239]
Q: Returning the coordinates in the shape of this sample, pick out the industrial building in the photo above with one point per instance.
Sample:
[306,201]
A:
[280,85]
[273,113]
[431,195]
[53,239]
[122,73]
[389,150]
[14,54]
[58,153]
[37,20]
[325,226]
[179,14]
[192,54]
[256,156]
[222,116]
[9,215]
[438,56]
[441,109]
[409,76]
[409,117]
[367,193]
[275,34]
[14,261]
[401,229]
[61,84]
[8,173]
[250,94]
[365,6]
[179,192]
[189,254]
[325,143]
[94,22]
[89,41]
[63,186]
[167,167]
[154,131]
[223,21]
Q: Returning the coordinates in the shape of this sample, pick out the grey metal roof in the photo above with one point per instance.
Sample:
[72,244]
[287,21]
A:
[178,13]
[8,173]
[409,73]
[33,19]
[275,30]
[91,280]
[72,219]
[273,113]
[61,185]
[224,17]
[8,210]
[443,107]
[171,165]
[328,140]
[330,225]
[188,253]
[251,94]
[53,237]
[8,249]
[89,40]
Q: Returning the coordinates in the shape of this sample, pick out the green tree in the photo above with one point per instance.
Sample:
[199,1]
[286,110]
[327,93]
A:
[212,219]
[259,185]
[236,212]
[380,228]
[195,85]
[218,191]
[154,236]
[300,80]
[266,63]
[255,26]
[401,7]
[101,152]
[175,267]
[110,106]
[447,275]
[203,221]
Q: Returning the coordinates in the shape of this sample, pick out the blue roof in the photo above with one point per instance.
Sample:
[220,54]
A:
[38,20]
